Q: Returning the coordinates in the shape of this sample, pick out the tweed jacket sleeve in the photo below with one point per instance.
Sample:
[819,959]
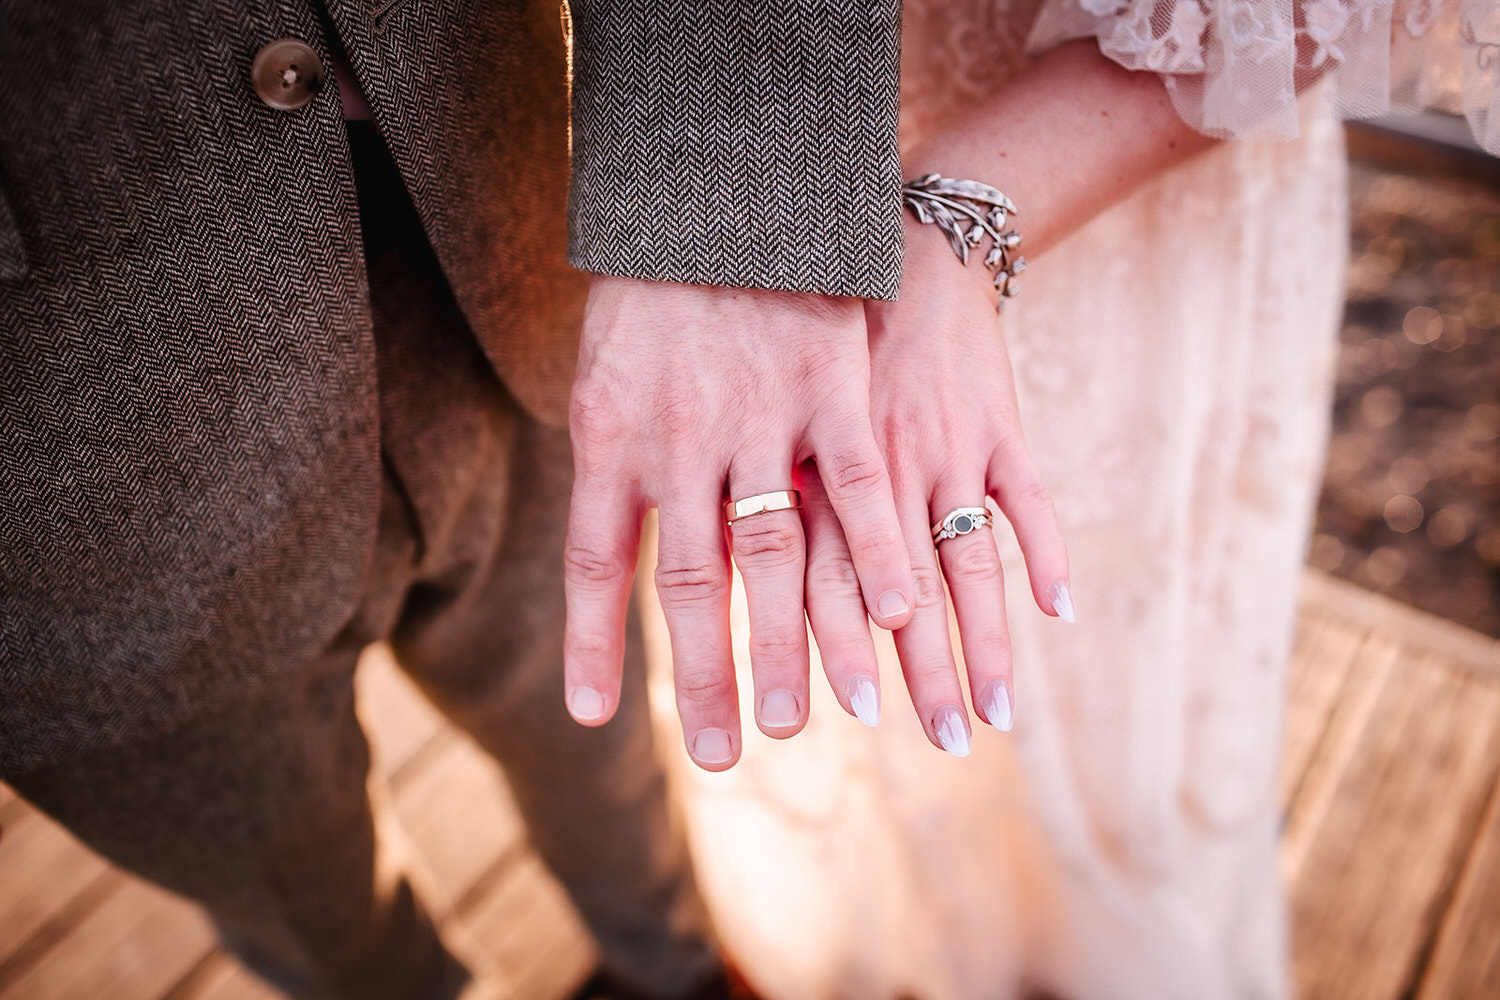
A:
[731,142]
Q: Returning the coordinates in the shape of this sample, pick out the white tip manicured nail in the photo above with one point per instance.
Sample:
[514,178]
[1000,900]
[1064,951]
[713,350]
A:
[952,733]
[998,708]
[865,700]
[1062,601]
[778,709]
[586,704]
[712,746]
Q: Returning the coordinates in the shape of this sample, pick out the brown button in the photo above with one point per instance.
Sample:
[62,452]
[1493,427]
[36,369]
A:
[287,74]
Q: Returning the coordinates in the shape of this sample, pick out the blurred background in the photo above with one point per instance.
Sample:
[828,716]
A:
[1411,503]
[1391,786]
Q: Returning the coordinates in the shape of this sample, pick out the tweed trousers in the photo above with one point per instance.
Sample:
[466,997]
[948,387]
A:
[257,806]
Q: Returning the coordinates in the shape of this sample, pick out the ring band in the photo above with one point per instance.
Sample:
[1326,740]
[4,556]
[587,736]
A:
[761,503]
[960,521]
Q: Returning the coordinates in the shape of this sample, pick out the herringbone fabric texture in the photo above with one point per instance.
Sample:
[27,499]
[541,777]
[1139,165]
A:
[189,446]
[12,253]
[758,150]
[188,437]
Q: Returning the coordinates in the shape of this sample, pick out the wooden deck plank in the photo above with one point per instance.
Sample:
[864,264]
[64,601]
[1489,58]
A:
[1392,750]
[1466,961]
[528,928]
[1379,856]
[227,979]
[1336,748]
[398,720]
[1461,647]
[459,819]
[1323,656]
[45,870]
[137,945]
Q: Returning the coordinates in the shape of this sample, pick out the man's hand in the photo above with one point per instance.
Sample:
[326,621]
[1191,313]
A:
[686,396]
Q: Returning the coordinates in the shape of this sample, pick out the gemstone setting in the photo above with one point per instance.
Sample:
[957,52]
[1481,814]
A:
[960,521]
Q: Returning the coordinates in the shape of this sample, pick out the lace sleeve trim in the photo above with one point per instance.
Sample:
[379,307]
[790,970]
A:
[1233,67]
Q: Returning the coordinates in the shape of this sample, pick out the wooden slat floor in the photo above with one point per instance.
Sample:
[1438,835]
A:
[1391,847]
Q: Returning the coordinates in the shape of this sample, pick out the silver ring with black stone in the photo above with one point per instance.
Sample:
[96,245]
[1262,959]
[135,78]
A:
[960,521]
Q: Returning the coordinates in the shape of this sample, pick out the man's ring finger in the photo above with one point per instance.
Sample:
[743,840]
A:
[761,503]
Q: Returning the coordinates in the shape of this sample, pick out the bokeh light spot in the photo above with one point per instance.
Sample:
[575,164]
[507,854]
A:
[1403,513]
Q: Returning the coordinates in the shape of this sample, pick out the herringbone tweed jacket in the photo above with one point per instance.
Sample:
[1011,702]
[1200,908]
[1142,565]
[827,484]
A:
[189,453]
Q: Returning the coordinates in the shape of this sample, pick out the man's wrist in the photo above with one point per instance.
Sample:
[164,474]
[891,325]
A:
[812,205]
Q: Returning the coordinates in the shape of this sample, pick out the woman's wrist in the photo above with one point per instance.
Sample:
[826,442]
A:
[975,222]
[1069,136]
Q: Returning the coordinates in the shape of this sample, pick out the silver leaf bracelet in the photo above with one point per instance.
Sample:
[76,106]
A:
[958,207]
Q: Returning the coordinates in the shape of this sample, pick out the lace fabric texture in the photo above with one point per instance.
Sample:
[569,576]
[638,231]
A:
[1234,67]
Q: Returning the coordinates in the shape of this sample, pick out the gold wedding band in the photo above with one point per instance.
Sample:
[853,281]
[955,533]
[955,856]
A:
[761,503]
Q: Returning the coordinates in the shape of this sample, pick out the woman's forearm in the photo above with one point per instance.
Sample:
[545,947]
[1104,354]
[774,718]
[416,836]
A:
[1065,139]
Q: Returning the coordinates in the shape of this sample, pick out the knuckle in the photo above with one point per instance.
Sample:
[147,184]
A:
[934,674]
[688,586]
[976,562]
[776,643]
[594,412]
[833,575]
[582,563]
[589,647]
[929,586]
[856,475]
[766,541]
[995,640]
[875,545]
[702,689]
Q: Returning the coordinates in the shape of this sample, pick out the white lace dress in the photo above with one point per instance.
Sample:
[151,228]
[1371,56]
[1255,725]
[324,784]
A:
[1174,361]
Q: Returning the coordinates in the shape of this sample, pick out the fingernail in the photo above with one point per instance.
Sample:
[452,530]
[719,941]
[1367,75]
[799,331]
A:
[864,698]
[1062,601]
[711,746]
[586,704]
[997,706]
[778,709]
[892,604]
[952,731]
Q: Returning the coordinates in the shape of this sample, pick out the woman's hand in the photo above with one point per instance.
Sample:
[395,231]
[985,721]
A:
[1065,139]
[686,396]
[944,410]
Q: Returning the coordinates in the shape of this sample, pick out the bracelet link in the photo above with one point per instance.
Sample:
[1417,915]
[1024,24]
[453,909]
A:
[968,211]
